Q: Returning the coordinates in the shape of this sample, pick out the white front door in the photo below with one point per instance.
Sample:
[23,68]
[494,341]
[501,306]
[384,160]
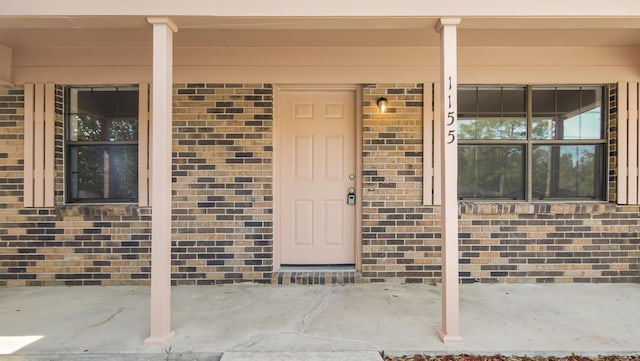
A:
[317,168]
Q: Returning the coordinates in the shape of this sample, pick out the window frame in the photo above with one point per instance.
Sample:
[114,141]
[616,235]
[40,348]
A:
[69,144]
[529,143]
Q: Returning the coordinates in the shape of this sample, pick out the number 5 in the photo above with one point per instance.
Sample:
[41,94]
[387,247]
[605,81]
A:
[451,137]
[452,118]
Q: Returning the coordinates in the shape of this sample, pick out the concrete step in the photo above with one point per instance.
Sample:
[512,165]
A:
[315,275]
[303,356]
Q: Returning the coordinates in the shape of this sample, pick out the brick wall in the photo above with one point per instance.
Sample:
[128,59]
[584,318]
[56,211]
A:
[499,241]
[613,146]
[222,200]
[11,118]
[222,210]
[222,175]
[549,242]
[553,242]
[65,245]
[11,149]
[400,241]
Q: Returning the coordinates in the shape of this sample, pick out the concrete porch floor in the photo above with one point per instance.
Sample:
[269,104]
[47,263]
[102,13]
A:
[111,323]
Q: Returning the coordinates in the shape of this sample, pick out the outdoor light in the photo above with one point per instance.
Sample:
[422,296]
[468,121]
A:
[382,104]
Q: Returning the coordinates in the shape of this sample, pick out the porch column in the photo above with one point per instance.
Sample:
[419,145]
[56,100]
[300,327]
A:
[449,332]
[160,331]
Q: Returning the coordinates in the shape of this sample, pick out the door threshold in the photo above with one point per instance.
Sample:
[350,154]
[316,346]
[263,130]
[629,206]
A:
[317,268]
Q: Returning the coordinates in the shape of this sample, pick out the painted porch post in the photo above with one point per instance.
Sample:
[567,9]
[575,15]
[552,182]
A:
[160,331]
[449,332]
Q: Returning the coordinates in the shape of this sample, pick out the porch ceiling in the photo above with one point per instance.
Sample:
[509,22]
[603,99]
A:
[199,31]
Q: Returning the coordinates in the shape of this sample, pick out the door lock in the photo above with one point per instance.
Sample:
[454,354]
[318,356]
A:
[351,196]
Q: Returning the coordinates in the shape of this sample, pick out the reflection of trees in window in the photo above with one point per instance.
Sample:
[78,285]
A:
[104,172]
[123,129]
[500,128]
[562,129]
[102,152]
[490,171]
[86,172]
[86,127]
[566,171]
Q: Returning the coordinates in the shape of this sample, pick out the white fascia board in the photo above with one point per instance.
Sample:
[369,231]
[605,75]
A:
[325,8]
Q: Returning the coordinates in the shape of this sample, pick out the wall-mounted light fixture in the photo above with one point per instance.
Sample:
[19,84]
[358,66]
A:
[382,104]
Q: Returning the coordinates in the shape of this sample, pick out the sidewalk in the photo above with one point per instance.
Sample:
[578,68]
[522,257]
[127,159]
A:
[111,323]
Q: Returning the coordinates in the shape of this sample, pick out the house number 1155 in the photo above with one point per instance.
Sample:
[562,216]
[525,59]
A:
[451,117]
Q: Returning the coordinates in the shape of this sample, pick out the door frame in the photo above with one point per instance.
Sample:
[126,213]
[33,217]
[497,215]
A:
[277,224]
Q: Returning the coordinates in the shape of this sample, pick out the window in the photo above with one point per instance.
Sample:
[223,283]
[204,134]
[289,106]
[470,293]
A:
[101,144]
[531,143]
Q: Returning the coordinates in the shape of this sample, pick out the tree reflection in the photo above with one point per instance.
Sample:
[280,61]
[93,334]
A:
[102,143]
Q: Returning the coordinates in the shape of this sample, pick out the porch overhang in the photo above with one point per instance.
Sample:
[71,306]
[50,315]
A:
[241,23]
[73,43]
